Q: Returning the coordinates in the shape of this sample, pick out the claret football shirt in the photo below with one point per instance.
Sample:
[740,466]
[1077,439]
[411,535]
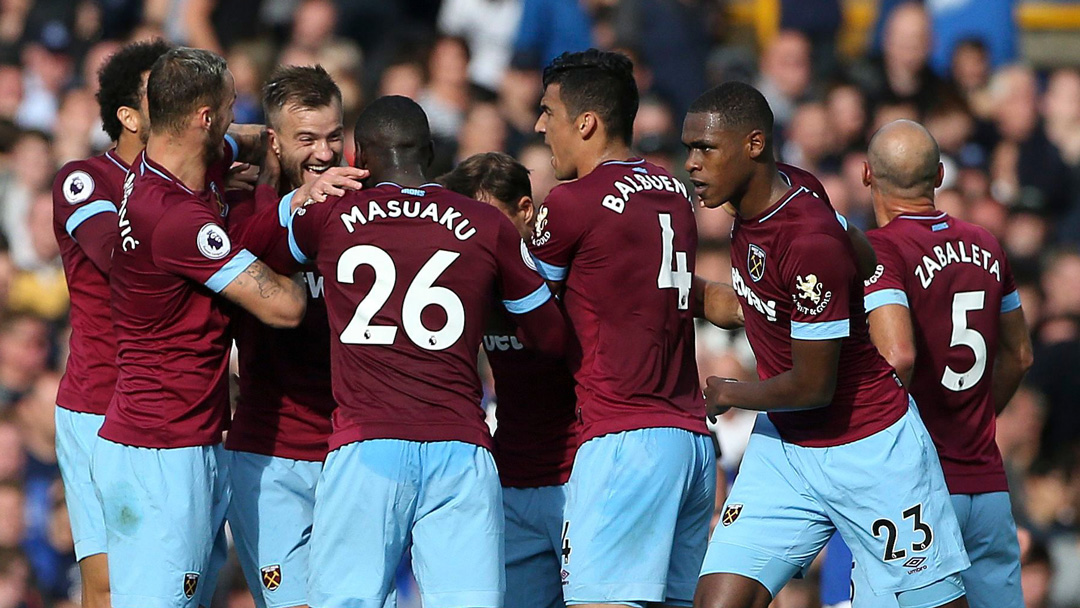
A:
[410,276]
[793,267]
[956,280]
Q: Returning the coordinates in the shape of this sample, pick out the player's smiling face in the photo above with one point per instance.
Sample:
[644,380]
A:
[716,159]
[557,127]
[308,141]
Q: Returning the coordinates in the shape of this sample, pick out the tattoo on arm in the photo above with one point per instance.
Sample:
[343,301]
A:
[264,279]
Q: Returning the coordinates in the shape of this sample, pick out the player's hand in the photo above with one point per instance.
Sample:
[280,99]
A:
[241,176]
[334,182]
[715,402]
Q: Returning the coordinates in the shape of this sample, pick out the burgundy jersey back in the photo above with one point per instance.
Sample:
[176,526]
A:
[624,238]
[536,438]
[285,393]
[794,269]
[956,280]
[409,277]
[172,257]
[85,189]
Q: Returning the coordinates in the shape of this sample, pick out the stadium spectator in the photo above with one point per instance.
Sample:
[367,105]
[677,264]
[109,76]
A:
[489,27]
[785,75]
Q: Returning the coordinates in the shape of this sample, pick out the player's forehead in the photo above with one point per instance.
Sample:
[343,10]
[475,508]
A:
[703,127]
[322,120]
[552,97]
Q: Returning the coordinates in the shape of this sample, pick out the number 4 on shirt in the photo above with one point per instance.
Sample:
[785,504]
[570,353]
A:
[678,277]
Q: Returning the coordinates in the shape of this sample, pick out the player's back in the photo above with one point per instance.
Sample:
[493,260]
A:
[624,239]
[410,275]
[794,269]
[82,190]
[956,281]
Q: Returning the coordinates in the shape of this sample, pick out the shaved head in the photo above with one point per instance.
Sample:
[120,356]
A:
[904,160]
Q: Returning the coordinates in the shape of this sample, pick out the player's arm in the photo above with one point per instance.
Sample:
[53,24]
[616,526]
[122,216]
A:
[892,333]
[1014,357]
[248,143]
[559,228]
[526,296]
[717,303]
[97,236]
[274,299]
[888,311]
[809,384]
[818,272]
[86,214]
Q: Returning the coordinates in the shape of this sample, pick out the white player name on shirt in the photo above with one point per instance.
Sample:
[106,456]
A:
[627,186]
[955,252]
[450,218]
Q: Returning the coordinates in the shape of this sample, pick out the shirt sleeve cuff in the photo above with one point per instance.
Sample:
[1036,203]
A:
[823,330]
[86,212]
[1010,302]
[885,296]
[285,208]
[843,220]
[550,272]
[294,248]
[530,302]
[230,270]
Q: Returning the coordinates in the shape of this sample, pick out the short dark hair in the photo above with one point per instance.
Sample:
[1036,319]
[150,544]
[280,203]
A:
[597,81]
[496,173]
[303,86]
[393,122]
[737,106]
[120,80]
[181,81]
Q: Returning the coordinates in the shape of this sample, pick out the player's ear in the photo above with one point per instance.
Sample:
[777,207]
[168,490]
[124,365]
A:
[429,154]
[129,118]
[526,209]
[206,117]
[273,141]
[586,124]
[940,175]
[866,174]
[755,143]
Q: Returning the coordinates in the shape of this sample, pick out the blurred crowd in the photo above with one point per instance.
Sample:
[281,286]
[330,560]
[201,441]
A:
[1010,136]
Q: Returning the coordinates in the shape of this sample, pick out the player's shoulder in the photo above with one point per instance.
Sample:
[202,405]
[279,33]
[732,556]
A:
[85,180]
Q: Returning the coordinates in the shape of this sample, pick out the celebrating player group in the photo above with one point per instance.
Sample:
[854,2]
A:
[358,299]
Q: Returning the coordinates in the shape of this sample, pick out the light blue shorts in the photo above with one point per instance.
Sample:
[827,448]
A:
[993,580]
[534,523]
[885,494]
[638,507]
[165,520]
[377,497]
[273,505]
[76,434]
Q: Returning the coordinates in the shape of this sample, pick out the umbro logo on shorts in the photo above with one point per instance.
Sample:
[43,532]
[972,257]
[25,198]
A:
[191,584]
[914,562]
[731,513]
[271,577]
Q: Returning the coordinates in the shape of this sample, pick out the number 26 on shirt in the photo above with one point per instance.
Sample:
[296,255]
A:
[422,292]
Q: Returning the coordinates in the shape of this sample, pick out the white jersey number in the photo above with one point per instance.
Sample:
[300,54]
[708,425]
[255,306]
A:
[422,293]
[964,302]
[678,277]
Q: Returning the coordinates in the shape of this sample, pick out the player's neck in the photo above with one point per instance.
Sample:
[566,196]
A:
[128,147]
[407,177]
[887,209]
[766,187]
[609,150]
[175,155]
